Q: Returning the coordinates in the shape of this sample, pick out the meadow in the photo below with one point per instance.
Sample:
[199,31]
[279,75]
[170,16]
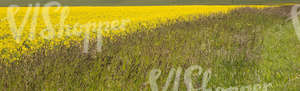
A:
[241,45]
[35,28]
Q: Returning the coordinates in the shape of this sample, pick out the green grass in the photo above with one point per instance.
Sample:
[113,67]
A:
[245,47]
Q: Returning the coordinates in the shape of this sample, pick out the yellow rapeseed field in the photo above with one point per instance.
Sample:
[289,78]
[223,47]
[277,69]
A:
[72,23]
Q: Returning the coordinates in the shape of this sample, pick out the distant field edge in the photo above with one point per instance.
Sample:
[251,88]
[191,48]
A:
[145,3]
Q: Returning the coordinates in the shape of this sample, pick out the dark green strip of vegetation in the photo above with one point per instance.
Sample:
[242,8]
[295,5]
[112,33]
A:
[5,3]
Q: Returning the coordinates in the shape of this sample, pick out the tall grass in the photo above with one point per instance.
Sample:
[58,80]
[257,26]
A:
[241,48]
